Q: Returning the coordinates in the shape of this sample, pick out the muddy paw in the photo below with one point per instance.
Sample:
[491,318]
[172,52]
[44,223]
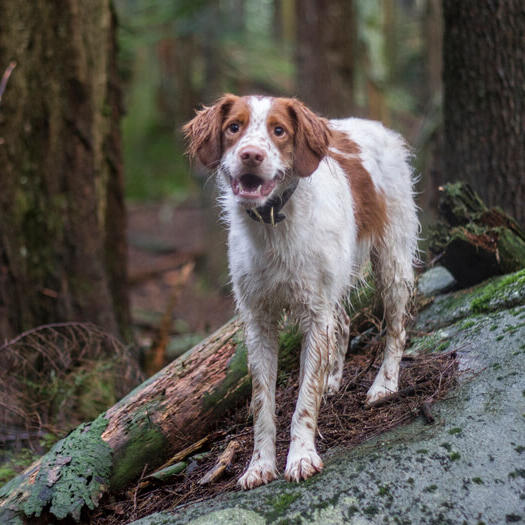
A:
[333,384]
[379,392]
[303,467]
[256,475]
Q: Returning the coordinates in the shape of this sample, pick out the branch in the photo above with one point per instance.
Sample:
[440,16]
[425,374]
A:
[5,77]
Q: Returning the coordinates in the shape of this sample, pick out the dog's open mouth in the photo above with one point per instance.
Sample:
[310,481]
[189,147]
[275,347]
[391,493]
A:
[250,186]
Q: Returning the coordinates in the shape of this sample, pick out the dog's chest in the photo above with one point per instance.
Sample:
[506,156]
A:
[283,267]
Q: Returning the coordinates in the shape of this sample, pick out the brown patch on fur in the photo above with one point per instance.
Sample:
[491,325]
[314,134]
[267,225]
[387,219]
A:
[311,134]
[239,113]
[305,414]
[279,115]
[204,131]
[370,204]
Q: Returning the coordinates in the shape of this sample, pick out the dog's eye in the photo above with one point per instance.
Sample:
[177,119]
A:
[278,130]
[234,127]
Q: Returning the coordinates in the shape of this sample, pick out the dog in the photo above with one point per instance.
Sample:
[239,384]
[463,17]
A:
[308,203]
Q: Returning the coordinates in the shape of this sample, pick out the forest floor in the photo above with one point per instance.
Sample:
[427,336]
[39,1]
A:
[344,422]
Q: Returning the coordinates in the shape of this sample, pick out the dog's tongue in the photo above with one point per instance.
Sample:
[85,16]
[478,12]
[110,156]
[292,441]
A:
[252,186]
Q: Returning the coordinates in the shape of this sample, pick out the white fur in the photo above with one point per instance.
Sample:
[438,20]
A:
[307,265]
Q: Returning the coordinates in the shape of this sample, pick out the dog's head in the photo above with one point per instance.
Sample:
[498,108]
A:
[258,143]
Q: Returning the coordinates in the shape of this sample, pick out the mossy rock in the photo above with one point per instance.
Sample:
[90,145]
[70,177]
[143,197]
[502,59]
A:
[465,467]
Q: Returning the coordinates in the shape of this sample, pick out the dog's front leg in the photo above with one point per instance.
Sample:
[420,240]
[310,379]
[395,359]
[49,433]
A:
[261,341]
[303,460]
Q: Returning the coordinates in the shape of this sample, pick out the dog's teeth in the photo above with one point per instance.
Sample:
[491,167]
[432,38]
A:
[259,188]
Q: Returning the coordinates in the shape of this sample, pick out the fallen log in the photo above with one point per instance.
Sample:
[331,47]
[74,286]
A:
[162,416]
[472,241]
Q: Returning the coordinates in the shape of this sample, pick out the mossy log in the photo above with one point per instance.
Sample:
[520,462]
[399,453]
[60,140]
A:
[474,242]
[168,412]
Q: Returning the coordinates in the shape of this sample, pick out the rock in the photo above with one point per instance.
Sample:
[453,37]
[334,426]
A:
[436,280]
[495,294]
[466,468]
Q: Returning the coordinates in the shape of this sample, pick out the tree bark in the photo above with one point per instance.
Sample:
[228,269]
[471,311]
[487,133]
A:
[168,412]
[325,55]
[62,232]
[484,99]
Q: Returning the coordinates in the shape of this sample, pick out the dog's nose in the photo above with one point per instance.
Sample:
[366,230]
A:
[251,155]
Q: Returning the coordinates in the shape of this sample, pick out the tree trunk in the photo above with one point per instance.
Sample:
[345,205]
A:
[62,233]
[325,55]
[171,410]
[484,99]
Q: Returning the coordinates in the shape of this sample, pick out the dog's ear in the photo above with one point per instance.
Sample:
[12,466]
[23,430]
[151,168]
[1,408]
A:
[312,138]
[203,132]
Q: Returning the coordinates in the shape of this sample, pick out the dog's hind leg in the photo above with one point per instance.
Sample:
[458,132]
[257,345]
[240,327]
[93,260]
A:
[395,276]
[262,345]
[338,352]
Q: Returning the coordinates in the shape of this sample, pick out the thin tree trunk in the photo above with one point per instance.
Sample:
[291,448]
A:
[484,99]
[62,228]
[168,412]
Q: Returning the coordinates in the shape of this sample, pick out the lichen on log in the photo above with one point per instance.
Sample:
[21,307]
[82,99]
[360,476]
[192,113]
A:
[73,474]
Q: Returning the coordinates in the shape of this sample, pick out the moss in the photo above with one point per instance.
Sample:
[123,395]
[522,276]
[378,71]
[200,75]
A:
[435,342]
[384,490]
[443,346]
[236,380]
[518,473]
[498,289]
[143,444]
[454,456]
[281,502]
[467,324]
[289,347]
[371,510]
[455,430]
[477,481]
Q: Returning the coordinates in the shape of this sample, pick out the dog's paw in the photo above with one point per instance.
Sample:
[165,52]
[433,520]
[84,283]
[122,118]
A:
[257,474]
[303,466]
[333,383]
[379,391]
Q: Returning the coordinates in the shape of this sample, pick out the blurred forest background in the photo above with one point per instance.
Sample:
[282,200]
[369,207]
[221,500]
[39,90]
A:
[104,221]
[379,59]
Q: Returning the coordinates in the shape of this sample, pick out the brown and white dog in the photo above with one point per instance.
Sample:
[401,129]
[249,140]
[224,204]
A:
[308,202]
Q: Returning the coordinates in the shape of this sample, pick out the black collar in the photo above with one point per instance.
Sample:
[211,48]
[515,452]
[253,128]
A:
[269,213]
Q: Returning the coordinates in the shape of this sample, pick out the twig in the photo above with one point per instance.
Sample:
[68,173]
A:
[5,77]
[183,454]
[137,488]
[225,460]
